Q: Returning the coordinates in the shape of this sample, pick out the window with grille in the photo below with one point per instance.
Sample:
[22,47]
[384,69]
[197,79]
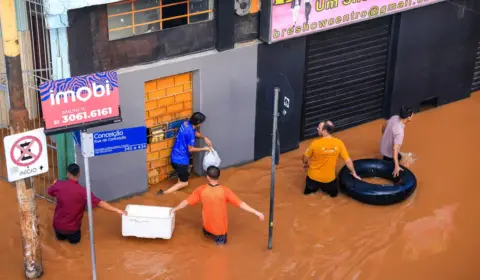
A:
[137,17]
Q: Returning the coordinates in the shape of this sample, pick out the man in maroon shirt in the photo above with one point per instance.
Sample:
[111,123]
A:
[71,202]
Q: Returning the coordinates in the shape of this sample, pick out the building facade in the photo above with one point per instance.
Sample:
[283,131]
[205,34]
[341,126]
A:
[173,58]
[348,61]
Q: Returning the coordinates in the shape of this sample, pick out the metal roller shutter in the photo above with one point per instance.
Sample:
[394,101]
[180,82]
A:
[476,72]
[346,75]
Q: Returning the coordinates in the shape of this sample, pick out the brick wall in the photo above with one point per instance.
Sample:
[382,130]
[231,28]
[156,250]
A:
[168,101]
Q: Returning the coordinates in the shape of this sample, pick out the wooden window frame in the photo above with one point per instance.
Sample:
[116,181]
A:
[210,12]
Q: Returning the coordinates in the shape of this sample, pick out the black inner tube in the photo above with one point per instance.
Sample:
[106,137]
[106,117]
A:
[377,170]
[402,186]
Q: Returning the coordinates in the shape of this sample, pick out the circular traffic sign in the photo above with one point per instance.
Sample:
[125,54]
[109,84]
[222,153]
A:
[26,151]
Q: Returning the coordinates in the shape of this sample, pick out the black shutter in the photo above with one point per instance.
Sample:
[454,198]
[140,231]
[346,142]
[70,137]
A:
[476,72]
[346,75]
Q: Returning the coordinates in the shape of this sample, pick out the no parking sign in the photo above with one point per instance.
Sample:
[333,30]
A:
[26,154]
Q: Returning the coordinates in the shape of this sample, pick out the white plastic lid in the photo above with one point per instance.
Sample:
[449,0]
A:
[148,211]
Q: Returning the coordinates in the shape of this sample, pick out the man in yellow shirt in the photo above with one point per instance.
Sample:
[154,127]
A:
[321,158]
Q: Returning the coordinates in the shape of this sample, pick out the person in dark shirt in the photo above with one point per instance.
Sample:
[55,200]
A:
[182,149]
[71,202]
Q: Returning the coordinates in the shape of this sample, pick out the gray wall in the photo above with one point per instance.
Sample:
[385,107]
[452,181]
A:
[224,89]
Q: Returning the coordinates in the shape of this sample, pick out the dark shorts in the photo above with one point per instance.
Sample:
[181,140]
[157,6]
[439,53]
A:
[312,186]
[219,239]
[73,238]
[182,171]
[391,159]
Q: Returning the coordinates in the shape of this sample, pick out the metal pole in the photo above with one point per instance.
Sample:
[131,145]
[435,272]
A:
[32,254]
[89,209]
[272,179]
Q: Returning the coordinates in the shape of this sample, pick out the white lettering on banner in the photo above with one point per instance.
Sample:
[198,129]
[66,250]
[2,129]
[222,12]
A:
[83,94]
[108,134]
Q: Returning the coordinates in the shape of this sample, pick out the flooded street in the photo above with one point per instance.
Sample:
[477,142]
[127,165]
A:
[432,235]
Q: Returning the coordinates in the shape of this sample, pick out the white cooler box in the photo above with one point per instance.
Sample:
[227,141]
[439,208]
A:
[148,222]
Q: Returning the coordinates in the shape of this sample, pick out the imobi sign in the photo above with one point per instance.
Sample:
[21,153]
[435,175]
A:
[286,19]
[80,102]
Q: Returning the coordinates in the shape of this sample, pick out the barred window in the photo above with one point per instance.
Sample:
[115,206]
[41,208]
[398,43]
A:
[136,17]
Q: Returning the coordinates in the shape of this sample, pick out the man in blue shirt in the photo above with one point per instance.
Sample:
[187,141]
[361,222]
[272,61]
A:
[183,147]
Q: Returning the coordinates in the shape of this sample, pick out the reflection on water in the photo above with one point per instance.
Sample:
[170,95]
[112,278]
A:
[432,235]
[429,235]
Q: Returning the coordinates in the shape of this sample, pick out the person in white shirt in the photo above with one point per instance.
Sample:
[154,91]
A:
[392,138]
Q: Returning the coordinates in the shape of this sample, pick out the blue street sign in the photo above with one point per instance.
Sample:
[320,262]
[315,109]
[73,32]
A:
[175,124]
[119,141]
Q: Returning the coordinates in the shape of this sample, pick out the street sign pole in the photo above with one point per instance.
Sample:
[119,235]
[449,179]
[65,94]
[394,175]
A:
[105,143]
[272,179]
[89,208]
[19,120]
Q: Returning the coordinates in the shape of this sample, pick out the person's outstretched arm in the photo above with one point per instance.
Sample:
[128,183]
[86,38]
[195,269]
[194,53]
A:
[397,142]
[104,205]
[205,138]
[233,199]
[182,205]
[190,140]
[306,156]
[396,152]
[193,149]
[348,161]
[193,199]
[52,191]
[349,164]
[305,161]
[247,208]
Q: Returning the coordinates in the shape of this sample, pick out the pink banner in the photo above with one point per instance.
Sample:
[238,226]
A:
[293,18]
[80,101]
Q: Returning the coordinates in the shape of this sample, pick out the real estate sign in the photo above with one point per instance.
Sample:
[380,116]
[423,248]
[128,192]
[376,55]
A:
[80,102]
[286,19]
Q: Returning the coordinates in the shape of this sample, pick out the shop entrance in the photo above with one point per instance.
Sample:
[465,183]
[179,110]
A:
[345,75]
[476,72]
[168,101]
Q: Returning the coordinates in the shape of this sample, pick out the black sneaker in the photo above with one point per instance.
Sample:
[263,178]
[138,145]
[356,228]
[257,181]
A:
[160,192]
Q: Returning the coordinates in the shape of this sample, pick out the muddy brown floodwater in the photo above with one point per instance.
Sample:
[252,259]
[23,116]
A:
[378,181]
[432,235]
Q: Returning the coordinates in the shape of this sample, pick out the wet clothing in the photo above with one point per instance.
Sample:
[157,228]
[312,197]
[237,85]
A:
[323,154]
[393,135]
[72,237]
[214,200]
[219,239]
[71,202]
[312,186]
[391,159]
[185,137]
[182,171]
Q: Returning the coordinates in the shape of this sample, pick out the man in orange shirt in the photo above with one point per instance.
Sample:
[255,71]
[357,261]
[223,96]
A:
[214,198]
[321,158]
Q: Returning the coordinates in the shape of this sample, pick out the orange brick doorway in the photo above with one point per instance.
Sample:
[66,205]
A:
[168,102]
